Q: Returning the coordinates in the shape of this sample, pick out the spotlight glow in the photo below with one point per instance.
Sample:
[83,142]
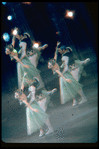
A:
[9,17]
[36,45]
[69,14]
[6,37]
[15,32]
[28,3]
[4,3]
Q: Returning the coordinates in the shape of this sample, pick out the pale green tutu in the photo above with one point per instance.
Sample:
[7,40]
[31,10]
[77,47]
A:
[68,90]
[31,72]
[35,120]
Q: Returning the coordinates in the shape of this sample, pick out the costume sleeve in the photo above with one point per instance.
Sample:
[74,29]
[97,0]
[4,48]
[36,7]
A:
[23,46]
[29,95]
[65,64]
[82,62]
[49,93]
[62,66]
[32,99]
[56,54]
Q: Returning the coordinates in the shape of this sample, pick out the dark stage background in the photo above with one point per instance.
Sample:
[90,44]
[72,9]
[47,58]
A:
[42,20]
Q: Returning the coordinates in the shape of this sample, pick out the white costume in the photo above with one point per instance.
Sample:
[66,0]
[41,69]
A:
[77,69]
[34,60]
[44,98]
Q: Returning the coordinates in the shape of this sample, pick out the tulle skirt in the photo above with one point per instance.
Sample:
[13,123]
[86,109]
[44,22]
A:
[31,72]
[34,61]
[35,120]
[68,90]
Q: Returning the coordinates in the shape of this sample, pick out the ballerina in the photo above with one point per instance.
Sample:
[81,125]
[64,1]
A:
[24,66]
[72,65]
[69,91]
[35,56]
[36,121]
[30,51]
[35,116]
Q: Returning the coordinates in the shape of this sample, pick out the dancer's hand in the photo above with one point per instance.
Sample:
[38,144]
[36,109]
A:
[35,110]
[54,90]
[58,43]
[26,66]
[69,80]
[87,60]
[45,46]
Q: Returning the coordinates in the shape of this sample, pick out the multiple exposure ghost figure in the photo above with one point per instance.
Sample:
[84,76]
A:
[44,98]
[34,56]
[69,74]
[72,69]
[26,71]
[32,53]
[35,115]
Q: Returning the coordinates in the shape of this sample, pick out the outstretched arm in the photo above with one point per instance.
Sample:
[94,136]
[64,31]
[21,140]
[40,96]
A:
[28,105]
[13,40]
[85,61]
[61,75]
[52,91]
[57,70]
[23,46]
[56,54]
[18,60]
[56,51]
[42,47]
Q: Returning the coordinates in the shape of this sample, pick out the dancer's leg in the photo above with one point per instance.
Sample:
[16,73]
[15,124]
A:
[41,133]
[83,97]
[47,122]
[74,102]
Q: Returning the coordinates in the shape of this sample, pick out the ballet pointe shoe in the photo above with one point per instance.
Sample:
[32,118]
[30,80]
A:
[50,130]
[41,133]
[83,97]
[74,102]
[83,100]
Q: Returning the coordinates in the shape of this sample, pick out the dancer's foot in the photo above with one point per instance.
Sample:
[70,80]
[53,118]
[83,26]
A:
[49,131]
[83,100]
[74,103]
[41,133]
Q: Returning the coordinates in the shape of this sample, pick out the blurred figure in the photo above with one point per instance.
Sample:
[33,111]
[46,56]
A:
[69,87]
[37,120]
[26,71]
[33,54]
[69,91]
[77,69]
[74,66]
[44,98]
[23,99]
